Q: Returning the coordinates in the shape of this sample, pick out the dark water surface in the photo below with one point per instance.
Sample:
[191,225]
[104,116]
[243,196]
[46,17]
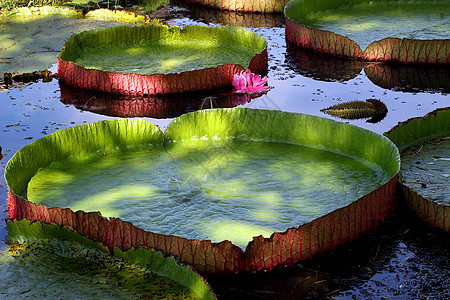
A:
[400,260]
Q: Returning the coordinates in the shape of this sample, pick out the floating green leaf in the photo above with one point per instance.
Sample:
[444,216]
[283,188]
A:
[397,31]
[31,38]
[210,156]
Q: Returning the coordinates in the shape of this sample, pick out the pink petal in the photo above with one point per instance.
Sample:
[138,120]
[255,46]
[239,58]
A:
[239,83]
[249,83]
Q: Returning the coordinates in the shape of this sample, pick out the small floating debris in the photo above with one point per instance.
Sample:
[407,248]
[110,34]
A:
[45,75]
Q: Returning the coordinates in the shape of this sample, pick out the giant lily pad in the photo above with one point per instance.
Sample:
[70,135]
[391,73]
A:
[82,268]
[425,147]
[156,59]
[301,184]
[395,31]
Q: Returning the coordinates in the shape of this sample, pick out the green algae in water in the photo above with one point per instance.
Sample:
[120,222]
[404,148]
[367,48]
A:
[162,57]
[64,270]
[426,169]
[373,21]
[213,190]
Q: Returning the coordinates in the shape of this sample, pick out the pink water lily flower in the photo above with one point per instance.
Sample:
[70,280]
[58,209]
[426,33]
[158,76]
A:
[249,83]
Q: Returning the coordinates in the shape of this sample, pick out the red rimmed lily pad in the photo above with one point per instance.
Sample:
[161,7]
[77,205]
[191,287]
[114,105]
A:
[394,31]
[156,59]
[425,146]
[213,175]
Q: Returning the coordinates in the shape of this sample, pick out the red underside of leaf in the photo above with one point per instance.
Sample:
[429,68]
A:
[426,210]
[264,6]
[295,244]
[386,50]
[321,41]
[409,51]
[137,84]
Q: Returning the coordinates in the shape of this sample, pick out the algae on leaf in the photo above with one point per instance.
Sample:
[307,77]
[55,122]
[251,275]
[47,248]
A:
[83,268]
[61,269]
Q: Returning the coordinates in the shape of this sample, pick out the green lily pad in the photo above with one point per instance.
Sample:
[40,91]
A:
[31,38]
[156,59]
[157,49]
[399,31]
[426,169]
[216,191]
[425,147]
[81,268]
[225,174]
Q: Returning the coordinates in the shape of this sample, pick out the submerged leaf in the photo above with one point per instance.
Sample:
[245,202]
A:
[371,108]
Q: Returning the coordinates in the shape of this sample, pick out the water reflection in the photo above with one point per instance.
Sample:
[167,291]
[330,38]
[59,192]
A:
[321,66]
[159,106]
[410,78]
[405,78]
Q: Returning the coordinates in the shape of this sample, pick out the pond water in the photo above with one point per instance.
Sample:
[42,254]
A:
[302,82]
